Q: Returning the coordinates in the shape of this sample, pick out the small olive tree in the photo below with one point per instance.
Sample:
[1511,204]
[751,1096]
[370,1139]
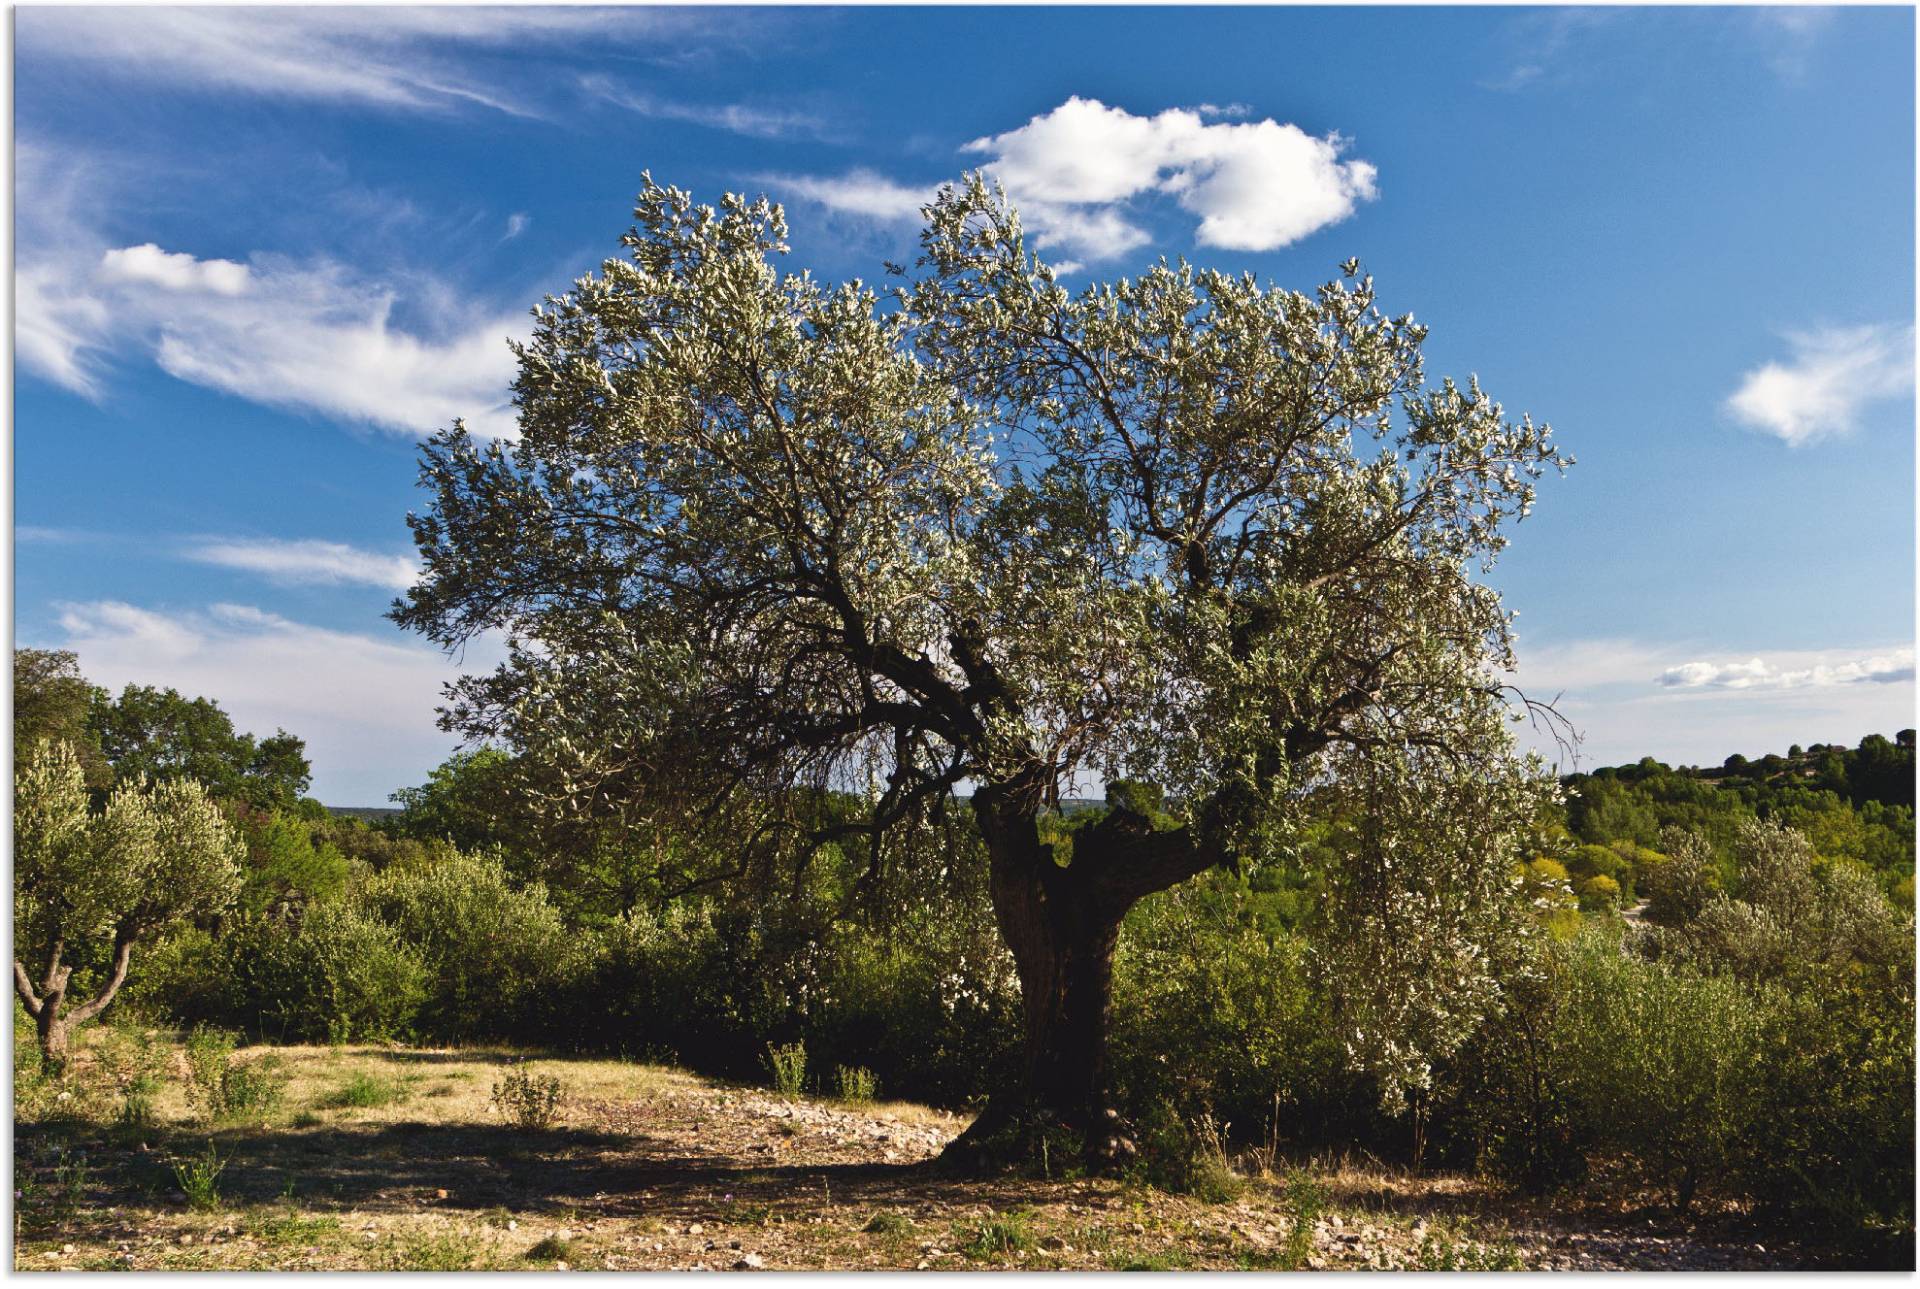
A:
[988,538]
[89,885]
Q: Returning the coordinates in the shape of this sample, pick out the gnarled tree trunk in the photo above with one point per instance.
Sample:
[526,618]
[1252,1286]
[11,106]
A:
[53,1026]
[1062,925]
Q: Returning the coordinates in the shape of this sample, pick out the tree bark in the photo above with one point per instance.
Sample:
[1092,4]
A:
[1062,925]
[54,1030]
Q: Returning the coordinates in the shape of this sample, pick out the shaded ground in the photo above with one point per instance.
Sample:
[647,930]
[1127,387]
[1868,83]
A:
[650,1168]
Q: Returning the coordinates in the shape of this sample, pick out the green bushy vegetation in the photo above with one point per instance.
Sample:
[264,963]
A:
[1714,993]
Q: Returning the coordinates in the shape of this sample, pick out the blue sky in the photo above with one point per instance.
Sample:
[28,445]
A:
[260,253]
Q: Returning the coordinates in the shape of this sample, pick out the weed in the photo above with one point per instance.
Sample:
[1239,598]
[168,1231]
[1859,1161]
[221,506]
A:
[1170,1260]
[855,1084]
[1211,1180]
[1306,1199]
[447,1251]
[1006,1233]
[551,1249]
[307,1119]
[788,1066]
[220,1088]
[748,1214]
[527,1101]
[889,1224]
[291,1227]
[1437,1253]
[199,1178]
[365,1091]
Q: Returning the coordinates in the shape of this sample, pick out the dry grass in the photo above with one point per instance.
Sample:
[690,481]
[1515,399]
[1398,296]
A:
[647,1168]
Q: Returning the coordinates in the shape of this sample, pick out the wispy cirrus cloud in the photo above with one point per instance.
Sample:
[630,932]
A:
[305,562]
[313,336]
[858,192]
[1820,390]
[734,118]
[419,58]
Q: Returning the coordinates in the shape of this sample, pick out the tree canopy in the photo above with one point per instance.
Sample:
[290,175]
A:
[982,535]
[88,885]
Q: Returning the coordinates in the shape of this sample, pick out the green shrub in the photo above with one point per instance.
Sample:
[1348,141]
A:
[199,1178]
[497,957]
[787,1066]
[221,1086]
[340,974]
[1306,1200]
[1598,894]
[131,1064]
[551,1249]
[1002,1234]
[854,1084]
[526,1100]
[1831,1149]
[1663,1062]
[363,1090]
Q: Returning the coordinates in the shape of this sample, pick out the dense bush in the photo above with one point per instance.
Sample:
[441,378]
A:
[498,958]
[337,974]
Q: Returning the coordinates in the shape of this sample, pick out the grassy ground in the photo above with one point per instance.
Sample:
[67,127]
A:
[398,1159]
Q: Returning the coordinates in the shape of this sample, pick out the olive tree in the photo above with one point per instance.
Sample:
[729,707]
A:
[89,885]
[979,538]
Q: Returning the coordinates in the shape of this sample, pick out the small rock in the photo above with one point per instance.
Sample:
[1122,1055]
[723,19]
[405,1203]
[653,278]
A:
[186,1237]
[512,1225]
[1335,1222]
[66,1248]
[441,1193]
[561,1266]
[697,1228]
[749,1262]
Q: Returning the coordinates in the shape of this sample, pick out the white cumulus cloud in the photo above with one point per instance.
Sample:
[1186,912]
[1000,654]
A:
[1833,374]
[174,270]
[306,562]
[1683,705]
[1255,185]
[1887,668]
[364,704]
[1075,172]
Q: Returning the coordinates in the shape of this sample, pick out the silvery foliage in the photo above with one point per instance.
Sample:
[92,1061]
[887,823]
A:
[758,532]
[1788,915]
[153,854]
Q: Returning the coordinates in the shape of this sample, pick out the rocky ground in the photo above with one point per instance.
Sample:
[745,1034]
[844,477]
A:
[651,1168]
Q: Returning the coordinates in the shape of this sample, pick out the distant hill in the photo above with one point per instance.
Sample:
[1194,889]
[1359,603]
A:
[367,814]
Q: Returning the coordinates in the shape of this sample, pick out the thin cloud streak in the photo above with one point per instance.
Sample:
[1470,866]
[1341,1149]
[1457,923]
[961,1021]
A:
[416,59]
[308,562]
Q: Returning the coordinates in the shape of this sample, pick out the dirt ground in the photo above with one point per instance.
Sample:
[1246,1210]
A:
[396,1159]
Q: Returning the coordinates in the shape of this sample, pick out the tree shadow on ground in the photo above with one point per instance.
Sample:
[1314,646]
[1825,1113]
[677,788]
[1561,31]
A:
[410,1166]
